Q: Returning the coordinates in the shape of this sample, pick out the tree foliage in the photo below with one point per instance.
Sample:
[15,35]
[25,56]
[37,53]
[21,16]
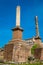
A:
[33,47]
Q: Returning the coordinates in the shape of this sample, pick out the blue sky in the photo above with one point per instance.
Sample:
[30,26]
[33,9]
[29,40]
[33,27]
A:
[29,9]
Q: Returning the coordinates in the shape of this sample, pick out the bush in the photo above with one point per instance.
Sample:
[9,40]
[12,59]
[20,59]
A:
[34,47]
[1,61]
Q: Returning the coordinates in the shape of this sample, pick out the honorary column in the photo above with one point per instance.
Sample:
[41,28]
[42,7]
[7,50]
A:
[36,23]
[18,16]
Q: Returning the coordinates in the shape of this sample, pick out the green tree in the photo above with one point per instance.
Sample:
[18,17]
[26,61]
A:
[34,47]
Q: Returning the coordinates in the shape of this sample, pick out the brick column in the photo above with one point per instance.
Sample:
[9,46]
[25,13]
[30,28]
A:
[17,33]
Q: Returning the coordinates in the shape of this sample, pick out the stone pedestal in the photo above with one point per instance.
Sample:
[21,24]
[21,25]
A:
[17,33]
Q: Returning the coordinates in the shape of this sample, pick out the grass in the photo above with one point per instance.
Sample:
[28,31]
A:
[36,63]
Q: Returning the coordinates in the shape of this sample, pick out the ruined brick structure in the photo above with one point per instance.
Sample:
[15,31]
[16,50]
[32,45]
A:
[39,53]
[1,54]
[18,50]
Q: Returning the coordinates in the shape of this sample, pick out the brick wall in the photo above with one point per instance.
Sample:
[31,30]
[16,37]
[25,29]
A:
[8,52]
[17,34]
[38,53]
[1,55]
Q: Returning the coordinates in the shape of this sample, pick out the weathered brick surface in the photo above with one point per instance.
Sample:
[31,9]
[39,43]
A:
[8,52]
[38,53]
[38,40]
[18,50]
[20,53]
[17,34]
[41,58]
[1,54]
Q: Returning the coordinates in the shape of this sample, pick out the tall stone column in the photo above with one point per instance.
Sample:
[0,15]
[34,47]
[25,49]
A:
[17,31]
[37,38]
[36,25]
[18,16]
